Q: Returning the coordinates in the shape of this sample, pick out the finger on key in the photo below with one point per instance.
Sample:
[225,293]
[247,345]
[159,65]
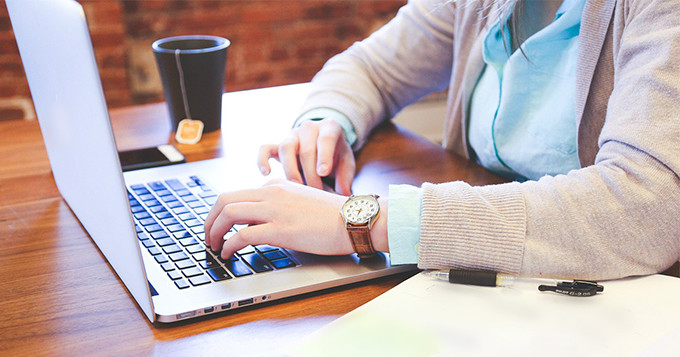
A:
[269,151]
[329,134]
[288,158]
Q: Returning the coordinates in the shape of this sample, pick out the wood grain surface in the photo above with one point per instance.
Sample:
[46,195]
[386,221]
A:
[59,296]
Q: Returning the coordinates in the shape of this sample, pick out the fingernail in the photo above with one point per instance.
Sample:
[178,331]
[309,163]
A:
[264,170]
[321,170]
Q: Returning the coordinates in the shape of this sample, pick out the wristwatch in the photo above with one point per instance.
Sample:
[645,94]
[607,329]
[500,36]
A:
[359,213]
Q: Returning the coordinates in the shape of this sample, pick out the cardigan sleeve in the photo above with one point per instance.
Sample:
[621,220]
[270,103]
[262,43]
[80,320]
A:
[400,63]
[616,218]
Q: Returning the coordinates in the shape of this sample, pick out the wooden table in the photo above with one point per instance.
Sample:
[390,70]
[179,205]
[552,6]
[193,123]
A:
[59,296]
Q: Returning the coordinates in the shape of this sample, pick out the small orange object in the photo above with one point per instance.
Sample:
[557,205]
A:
[189,131]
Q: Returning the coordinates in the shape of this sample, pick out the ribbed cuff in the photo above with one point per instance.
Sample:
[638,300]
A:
[472,227]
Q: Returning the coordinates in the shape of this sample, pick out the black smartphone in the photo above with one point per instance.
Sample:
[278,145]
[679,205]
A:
[160,155]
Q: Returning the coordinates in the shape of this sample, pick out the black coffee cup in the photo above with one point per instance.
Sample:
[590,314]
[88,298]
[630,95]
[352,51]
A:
[192,70]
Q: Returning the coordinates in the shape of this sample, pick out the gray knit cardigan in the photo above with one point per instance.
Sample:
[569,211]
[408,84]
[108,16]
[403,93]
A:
[616,216]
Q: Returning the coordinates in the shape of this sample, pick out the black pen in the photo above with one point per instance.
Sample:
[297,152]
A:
[478,277]
[492,278]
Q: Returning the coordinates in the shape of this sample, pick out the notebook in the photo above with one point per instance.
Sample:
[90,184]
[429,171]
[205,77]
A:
[160,259]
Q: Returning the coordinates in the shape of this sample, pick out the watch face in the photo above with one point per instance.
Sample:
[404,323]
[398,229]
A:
[360,209]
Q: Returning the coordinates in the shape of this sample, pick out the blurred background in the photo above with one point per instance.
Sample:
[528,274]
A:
[273,42]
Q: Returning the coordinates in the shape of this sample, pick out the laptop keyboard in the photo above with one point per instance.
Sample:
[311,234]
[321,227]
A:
[169,217]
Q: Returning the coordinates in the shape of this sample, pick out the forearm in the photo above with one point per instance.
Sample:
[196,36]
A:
[374,79]
[607,221]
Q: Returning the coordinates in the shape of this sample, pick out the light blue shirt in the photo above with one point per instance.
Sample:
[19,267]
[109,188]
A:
[522,122]
[528,130]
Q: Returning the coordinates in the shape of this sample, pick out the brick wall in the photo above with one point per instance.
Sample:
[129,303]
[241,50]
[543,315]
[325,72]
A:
[273,42]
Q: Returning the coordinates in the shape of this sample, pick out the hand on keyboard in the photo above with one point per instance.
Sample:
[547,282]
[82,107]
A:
[287,215]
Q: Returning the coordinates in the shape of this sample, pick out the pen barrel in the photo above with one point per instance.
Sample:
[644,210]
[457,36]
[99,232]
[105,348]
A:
[473,277]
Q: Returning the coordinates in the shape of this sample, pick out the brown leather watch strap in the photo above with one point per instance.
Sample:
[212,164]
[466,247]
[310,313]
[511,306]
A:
[361,240]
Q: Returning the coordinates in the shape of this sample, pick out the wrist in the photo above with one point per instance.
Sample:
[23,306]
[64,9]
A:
[367,230]
[379,231]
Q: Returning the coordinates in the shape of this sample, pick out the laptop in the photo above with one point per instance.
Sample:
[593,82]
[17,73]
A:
[148,223]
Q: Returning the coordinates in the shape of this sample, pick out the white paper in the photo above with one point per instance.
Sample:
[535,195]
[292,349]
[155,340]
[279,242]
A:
[426,317]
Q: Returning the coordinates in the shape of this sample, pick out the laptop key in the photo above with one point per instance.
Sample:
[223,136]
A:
[159,235]
[182,284]
[162,193]
[180,210]
[197,248]
[147,221]
[265,248]
[184,264]
[246,250]
[176,228]
[230,259]
[283,263]
[189,198]
[208,264]
[161,259]
[136,208]
[164,242]
[188,241]
[186,216]
[183,192]
[199,280]
[142,215]
[167,199]
[163,215]
[142,191]
[172,249]
[197,180]
[218,274]
[182,234]
[206,194]
[256,262]
[147,197]
[178,256]
[157,209]
[189,272]
[238,268]
[174,184]
[201,210]
[202,255]
[193,223]
[195,205]
[153,228]
[156,185]
[154,251]
[174,204]
[167,266]
[274,254]
[153,203]
[174,275]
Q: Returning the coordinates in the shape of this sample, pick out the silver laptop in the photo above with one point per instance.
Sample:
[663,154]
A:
[148,223]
